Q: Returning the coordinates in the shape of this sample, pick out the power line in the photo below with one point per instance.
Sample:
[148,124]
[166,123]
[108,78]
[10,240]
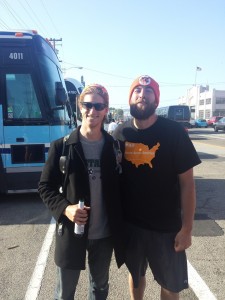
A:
[3,24]
[28,13]
[53,24]
[13,13]
[17,18]
[109,74]
[37,19]
[101,72]
[162,84]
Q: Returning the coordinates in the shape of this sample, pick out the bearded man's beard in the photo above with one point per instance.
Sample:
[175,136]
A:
[142,114]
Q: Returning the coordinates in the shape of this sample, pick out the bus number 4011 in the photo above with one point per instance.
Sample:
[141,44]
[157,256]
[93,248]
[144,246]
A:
[16,55]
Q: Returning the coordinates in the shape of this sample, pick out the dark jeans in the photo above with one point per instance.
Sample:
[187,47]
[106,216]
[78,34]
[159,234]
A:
[99,258]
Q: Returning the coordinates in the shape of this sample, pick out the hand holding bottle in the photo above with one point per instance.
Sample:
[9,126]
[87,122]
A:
[77,215]
[79,228]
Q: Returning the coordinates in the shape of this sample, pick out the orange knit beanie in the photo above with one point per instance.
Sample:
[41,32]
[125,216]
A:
[146,80]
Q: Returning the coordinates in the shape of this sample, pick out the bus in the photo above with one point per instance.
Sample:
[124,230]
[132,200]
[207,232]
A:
[34,108]
[178,113]
[74,89]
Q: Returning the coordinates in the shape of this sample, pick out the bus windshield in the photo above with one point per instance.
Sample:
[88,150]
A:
[22,102]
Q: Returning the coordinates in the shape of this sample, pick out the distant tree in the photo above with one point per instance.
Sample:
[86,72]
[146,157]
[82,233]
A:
[119,113]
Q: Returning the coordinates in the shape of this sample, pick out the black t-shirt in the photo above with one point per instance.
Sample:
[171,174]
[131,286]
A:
[152,160]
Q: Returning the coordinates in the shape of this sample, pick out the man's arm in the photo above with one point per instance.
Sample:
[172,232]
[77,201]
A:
[188,203]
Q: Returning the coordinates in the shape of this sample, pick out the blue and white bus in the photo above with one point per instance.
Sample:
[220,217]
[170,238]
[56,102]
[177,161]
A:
[74,89]
[178,113]
[34,108]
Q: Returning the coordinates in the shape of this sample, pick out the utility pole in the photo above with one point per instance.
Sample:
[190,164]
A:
[54,45]
[54,42]
[82,80]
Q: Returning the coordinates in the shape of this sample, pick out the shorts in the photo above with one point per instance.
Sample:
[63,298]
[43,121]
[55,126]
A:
[168,267]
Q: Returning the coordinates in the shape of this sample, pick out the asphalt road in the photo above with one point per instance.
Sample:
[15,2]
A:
[24,222]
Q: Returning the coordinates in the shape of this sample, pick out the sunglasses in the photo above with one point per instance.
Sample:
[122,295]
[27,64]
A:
[97,106]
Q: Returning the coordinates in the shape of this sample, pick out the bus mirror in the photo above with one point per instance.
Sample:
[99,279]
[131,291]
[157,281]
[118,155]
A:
[60,94]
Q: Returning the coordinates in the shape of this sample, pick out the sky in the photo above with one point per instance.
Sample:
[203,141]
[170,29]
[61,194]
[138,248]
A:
[116,41]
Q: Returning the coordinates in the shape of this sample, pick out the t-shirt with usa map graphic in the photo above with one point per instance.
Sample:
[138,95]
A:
[152,160]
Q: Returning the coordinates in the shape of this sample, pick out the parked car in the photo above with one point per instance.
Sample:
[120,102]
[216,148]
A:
[200,123]
[220,125]
[185,125]
[192,123]
[211,122]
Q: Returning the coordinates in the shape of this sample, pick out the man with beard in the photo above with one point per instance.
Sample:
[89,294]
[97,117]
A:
[158,193]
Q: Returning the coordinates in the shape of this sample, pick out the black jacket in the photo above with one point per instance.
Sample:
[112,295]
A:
[70,250]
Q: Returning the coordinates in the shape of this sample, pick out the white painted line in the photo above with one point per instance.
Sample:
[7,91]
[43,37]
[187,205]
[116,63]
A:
[198,285]
[219,137]
[37,276]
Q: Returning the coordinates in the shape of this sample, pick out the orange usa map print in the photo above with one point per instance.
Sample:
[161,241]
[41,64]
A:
[140,154]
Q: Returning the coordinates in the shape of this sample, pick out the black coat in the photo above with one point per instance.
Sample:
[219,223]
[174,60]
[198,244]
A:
[70,250]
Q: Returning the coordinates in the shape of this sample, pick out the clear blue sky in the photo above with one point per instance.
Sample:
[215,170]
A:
[115,41]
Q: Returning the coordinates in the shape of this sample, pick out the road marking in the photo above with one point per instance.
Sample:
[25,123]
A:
[205,143]
[37,276]
[198,285]
[214,147]
[219,137]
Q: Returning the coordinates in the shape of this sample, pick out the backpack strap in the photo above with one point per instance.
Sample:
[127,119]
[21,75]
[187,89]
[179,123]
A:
[118,154]
[63,165]
[64,162]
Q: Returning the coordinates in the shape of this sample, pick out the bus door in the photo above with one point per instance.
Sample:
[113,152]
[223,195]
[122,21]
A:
[2,150]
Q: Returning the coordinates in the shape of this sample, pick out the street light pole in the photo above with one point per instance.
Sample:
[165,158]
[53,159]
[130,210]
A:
[195,76]
[75,67]
[197,70]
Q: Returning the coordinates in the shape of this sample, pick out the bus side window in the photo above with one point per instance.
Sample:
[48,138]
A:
[22,101]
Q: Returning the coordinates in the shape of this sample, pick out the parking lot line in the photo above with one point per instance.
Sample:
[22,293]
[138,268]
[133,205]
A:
[198,285]
[37,276]
[218,137]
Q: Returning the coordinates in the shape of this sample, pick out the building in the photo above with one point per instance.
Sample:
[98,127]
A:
[203,102]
